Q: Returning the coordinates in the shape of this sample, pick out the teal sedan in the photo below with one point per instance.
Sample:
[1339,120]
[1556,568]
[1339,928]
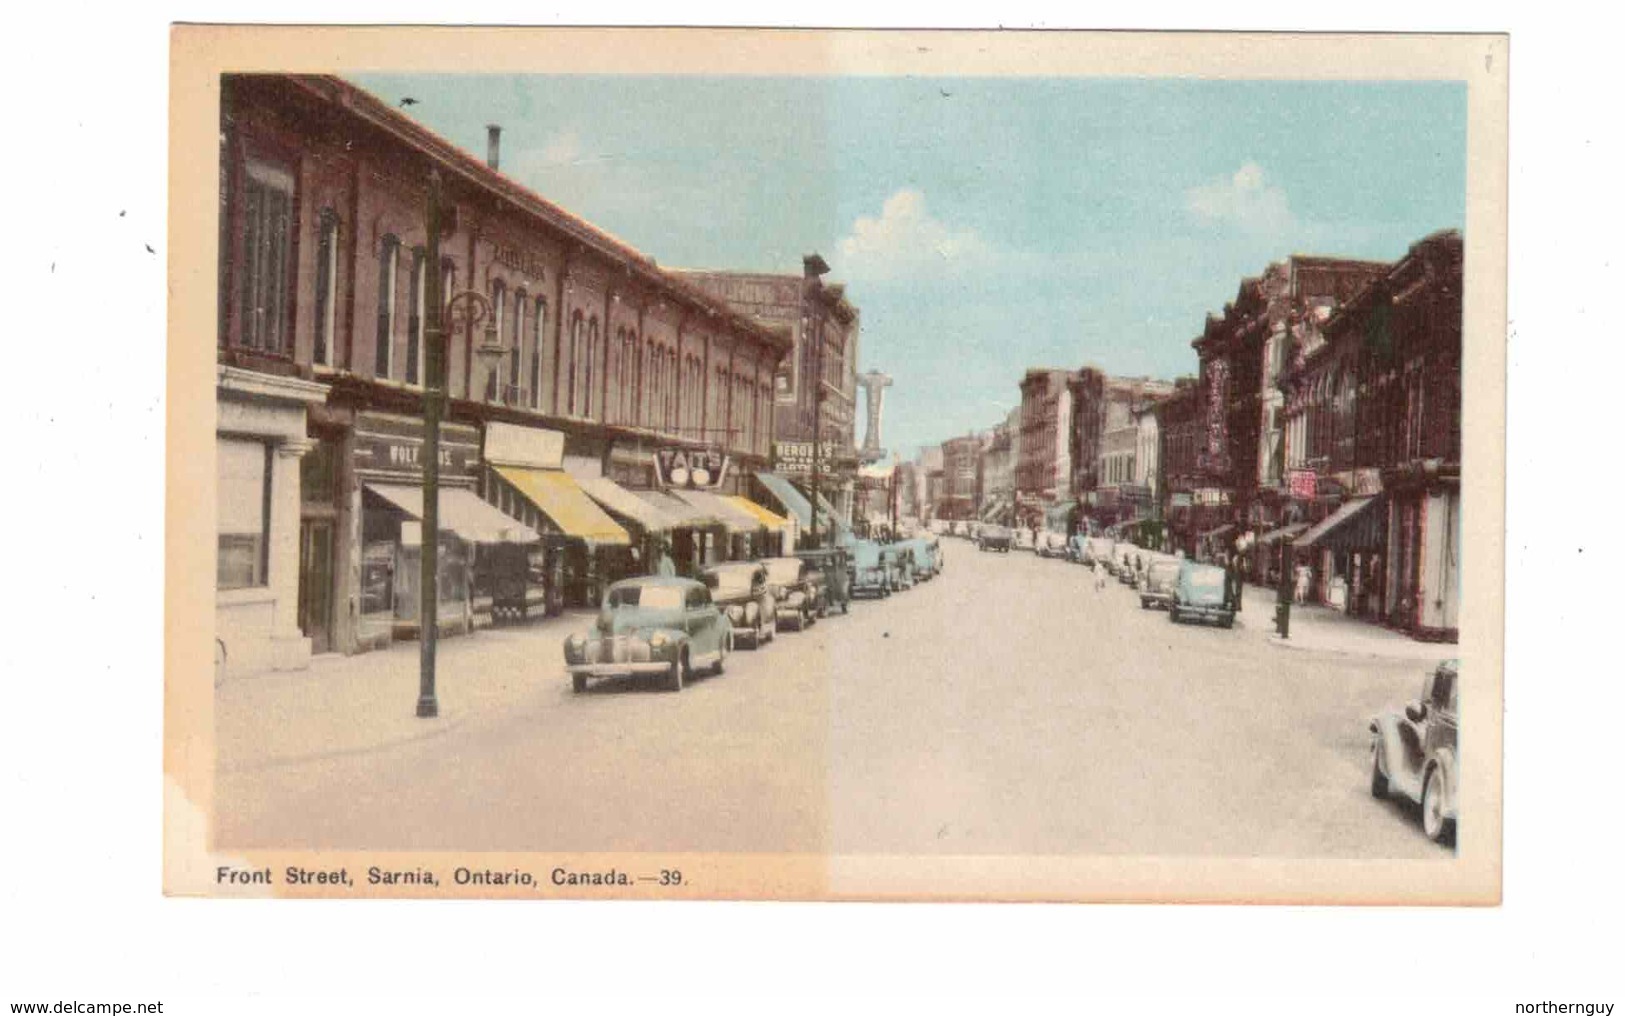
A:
[1199,595]
[651,625]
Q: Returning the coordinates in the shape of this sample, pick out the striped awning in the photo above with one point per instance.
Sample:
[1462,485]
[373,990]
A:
[627,504]
[733,518]
[556,494]
[686,516]
[1284,533]
[768,520]
[1338,519]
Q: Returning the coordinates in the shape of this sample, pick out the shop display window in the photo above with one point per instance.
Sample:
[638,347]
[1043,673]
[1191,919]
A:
[243,510]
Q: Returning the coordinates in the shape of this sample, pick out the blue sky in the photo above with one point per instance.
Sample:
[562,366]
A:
[982,225]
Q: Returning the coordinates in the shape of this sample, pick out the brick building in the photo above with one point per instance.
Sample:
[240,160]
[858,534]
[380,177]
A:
[824,327]
[1044,466]
[1242,352]
[1373,445]
[606,361]
[1104,437]
[961,478]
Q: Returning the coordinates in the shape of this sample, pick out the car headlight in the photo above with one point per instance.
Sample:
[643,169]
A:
[576,641]
[658,640]
[736,613]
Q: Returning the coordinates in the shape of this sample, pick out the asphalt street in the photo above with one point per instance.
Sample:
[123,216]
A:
[1006,707]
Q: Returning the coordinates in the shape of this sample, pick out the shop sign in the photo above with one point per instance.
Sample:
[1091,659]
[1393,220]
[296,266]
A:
[1179,500]
[1302,483]
[394,444]
[1367,482]
[531,447]
[796,457]
[690,468]
[1212,496]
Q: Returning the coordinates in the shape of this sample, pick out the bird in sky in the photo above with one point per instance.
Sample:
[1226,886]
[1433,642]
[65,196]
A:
[409,101]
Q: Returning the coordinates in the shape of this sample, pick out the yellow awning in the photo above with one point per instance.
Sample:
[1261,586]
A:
[556,494]
[775,523]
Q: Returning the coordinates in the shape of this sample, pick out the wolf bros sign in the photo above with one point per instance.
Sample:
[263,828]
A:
[690,468]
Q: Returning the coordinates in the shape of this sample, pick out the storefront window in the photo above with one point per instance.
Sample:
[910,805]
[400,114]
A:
[243,503]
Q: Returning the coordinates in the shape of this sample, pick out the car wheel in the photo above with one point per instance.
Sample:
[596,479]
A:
[1434,824]
[1379,781]
[1228,622]
[1173,614]
[1145,604]
[674,677]
[578,683]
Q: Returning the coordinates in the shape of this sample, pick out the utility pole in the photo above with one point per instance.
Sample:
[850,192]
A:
[434,369]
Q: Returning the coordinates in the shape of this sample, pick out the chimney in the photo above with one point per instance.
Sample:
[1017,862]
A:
[493,145]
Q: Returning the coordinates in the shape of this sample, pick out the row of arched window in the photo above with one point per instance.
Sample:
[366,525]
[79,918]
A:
[621,379]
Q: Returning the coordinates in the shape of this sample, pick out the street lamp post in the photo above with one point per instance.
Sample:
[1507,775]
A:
[470,308]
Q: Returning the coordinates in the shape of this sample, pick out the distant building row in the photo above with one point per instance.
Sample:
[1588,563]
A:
[1320,440]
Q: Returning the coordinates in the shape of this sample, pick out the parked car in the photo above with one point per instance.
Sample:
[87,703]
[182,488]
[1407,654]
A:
[835,564]
[899,562]
[1199,595]
[1413,752]
[741,591]
[1050,544]
[651,625]
[1161,584]
[927,557]
[994,538]
[798,587]
[1023,539]
[871,572]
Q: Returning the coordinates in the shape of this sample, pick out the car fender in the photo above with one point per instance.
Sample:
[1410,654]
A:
[1444,762]
[1386,741]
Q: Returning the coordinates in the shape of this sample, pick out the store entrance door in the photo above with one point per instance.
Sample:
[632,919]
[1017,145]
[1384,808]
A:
[316,583]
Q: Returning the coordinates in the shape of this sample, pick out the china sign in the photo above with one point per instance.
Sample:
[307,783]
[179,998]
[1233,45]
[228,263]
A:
[690,468]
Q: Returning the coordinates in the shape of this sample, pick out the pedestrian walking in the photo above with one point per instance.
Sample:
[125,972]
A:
[1100,576]
[663,562]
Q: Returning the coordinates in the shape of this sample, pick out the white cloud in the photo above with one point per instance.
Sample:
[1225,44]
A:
[1242,199]
[561,149]
[906,240]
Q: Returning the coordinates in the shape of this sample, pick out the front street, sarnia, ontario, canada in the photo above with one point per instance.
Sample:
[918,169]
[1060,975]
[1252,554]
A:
[1006,706]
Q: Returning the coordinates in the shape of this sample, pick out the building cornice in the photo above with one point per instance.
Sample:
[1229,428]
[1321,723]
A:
[276,387]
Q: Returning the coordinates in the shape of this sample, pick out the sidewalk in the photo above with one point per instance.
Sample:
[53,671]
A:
[1324,629]
[348,704]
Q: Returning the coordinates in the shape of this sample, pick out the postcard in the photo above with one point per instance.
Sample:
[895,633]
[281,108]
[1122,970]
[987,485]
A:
[820,465]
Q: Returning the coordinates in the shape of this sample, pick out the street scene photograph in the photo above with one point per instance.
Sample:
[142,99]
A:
[912,465]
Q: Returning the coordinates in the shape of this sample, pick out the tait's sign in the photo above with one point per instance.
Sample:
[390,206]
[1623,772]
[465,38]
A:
[690,468]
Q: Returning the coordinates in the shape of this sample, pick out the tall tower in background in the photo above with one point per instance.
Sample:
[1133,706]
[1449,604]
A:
[874,385]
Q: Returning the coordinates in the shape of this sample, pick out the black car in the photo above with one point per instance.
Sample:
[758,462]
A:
[836,565]
[994,538]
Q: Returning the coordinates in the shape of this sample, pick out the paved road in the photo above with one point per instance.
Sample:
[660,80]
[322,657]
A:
[1006,707]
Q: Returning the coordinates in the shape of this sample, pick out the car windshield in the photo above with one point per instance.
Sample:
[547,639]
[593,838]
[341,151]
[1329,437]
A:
[784,571]
[1162,570]
[1206,578]
[733,579]
[647,597]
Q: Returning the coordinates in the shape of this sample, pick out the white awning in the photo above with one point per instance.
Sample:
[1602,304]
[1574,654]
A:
[461,512]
